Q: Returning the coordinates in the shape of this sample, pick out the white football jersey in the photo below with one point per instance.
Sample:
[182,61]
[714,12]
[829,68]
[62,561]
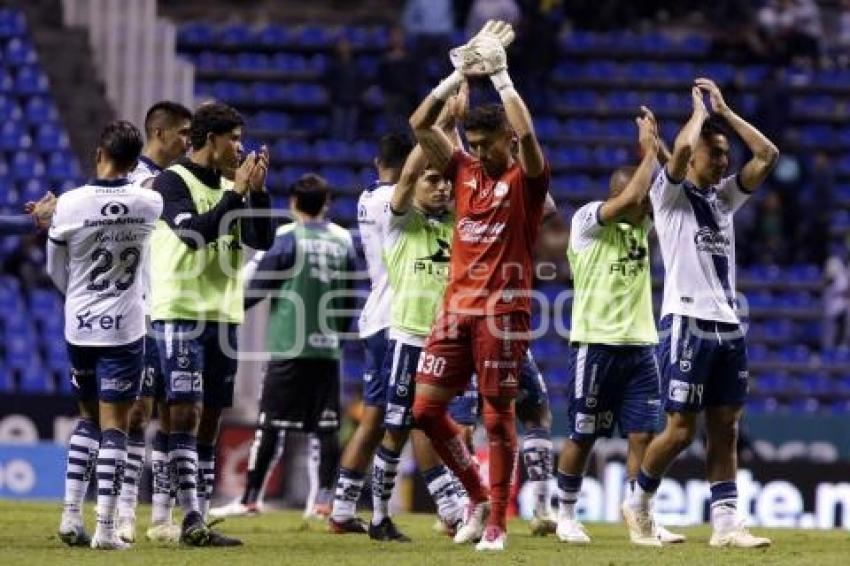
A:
[372,205]
[697,239]
[145,171]
[144,174]
[105,227]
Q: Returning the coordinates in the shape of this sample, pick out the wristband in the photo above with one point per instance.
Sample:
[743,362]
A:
[447,86]
[502,81]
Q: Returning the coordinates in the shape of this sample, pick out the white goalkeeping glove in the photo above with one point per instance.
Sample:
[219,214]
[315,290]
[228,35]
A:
[484,54]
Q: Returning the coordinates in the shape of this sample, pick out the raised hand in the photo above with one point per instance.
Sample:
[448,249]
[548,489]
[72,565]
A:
[699,103]
[257,179]
[715,97]
[484,54]
[647,132]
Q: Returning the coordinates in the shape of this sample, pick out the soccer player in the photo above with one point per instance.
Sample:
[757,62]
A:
[308,272]
[484,323]
[417,234]
[167,135]
[393,150]
[96,244]
[613,338]
[197,296]
[703,359]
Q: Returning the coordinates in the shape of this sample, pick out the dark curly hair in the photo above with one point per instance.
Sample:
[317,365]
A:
[213,118]
[487,118]
[122,143]
[713,127]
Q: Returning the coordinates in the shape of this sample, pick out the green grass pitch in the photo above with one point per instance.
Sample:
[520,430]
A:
[27,538]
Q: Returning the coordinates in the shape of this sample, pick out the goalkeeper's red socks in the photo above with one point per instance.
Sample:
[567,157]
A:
[499,420]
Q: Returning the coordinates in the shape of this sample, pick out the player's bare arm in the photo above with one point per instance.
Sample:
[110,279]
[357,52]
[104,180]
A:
[418,159]
[437,146]
[687,139]
[765,153]
[638,187]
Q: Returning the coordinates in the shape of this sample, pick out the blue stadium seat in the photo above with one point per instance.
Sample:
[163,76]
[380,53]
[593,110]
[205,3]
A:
[12,23]
[344,209]
[30,80]
[62,166]
[51,137]
[197,34]
[236,35]
[25,166]
[292,151]
[307,94]
[313,37]
[35,378]
[291,174]
[19,52]
[40,110]
[331,151]
[268,93]
[248,61]
[340,178]
[13,136]
[273,35]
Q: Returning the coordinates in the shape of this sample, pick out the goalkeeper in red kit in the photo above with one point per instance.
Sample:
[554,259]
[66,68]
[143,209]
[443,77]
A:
[483,325]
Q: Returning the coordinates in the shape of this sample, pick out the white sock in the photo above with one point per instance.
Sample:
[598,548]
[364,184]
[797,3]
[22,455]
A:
[111,460]
[82,455]
[384,470]
[129,496]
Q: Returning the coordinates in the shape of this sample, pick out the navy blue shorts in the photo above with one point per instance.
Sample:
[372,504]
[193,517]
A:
[612,385]
[703,364]
[374,377]
[152,383]
[400,365]
[532,393]
[197,360]
[112,374]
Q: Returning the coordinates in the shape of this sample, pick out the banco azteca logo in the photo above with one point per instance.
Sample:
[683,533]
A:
[114,209]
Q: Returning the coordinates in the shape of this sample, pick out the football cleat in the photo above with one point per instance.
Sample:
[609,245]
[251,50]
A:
[101,542]
[738,537]
[572,531]
[494,539]
[641,525]
[126,529]
[163,532]
[473,524]
[667,537]
[542,525]
[387,531]
[72,531]
[354,525]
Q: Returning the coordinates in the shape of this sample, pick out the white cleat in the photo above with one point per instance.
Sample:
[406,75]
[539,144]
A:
[667,537]
[494,539]
[164,532]
[641,526]
[542,525]
[100,542]
[126,529]
[473,524]
[738,537]
[572,531]
[235,509]
[72,531]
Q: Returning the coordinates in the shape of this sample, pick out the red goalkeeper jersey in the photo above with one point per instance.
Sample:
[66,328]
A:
[497,225]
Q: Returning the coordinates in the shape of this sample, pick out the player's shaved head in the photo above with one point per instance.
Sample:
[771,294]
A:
[121,143]
[311,193]
[620,178]
[165,115]
[393,149]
